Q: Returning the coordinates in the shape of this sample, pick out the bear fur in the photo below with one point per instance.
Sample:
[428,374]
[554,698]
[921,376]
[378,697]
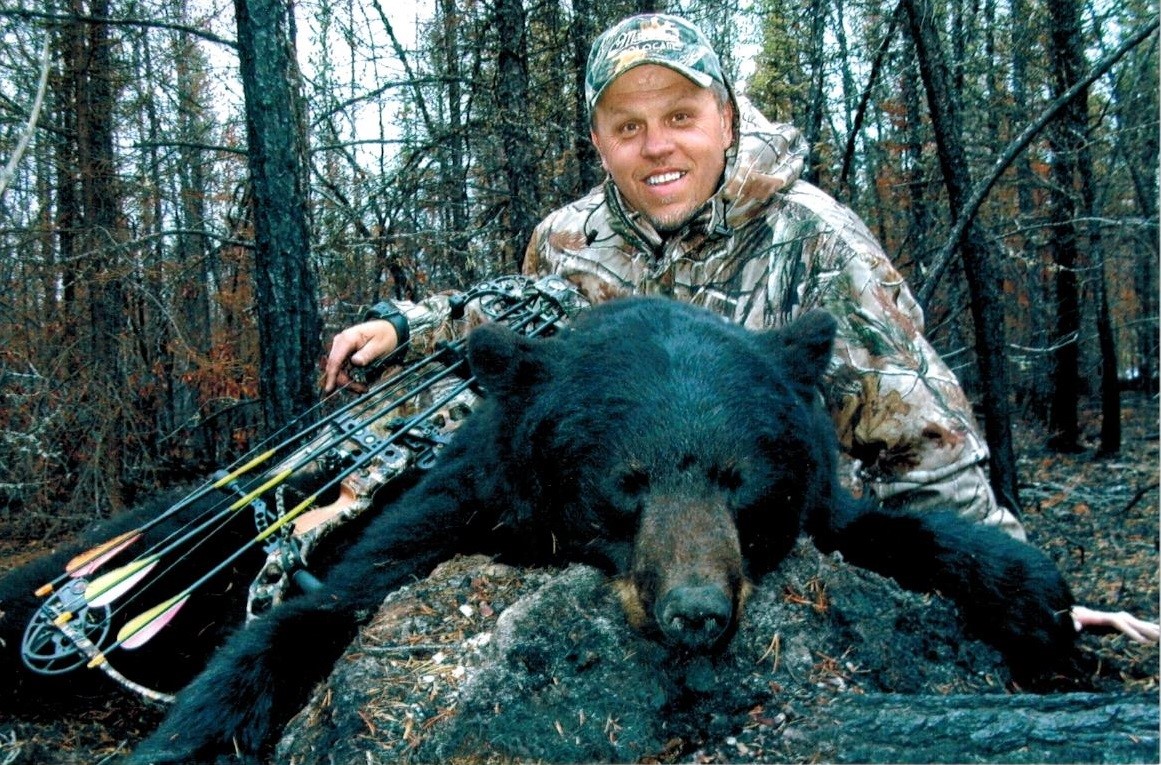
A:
[681,455]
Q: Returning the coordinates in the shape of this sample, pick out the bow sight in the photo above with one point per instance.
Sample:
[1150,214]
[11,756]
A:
[297,493]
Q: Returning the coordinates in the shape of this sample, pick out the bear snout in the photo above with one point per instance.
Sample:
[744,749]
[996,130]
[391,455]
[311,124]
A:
[687,575]
[695,617]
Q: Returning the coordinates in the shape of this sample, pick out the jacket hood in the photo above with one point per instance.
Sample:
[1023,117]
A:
[768,158]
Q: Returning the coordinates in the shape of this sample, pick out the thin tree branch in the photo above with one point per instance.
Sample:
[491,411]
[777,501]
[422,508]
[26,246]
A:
[14,160]
[865,99]
[1014,149]
[23,13]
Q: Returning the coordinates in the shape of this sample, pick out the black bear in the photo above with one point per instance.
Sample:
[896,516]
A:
[679,453]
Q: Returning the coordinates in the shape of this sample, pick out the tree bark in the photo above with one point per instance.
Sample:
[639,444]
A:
[289,326]
[1066,139]
[1021,728]
[512,101]
[583,33]
[979,263]
[99,294]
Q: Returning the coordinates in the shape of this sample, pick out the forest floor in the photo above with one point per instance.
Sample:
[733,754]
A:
[1097,517]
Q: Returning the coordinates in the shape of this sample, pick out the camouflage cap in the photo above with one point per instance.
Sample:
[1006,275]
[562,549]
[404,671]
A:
[652,38]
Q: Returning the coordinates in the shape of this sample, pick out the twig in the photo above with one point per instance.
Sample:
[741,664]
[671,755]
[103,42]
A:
[1014,149]
[1139,496]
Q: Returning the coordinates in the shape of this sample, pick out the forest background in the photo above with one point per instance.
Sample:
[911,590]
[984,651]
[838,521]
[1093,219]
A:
[196,196]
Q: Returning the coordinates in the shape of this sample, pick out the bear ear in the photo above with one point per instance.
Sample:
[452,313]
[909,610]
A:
[806,344]
[503,359]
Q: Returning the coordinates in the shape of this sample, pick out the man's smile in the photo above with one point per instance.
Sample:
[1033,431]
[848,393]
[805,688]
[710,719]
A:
[662,178]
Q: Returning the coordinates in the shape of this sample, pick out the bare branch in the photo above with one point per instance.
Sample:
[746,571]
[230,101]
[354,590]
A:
[1015,148]
[26,14]
[10,168]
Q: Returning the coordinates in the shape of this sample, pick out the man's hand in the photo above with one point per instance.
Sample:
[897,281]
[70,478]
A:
[359,345]
[1120,621]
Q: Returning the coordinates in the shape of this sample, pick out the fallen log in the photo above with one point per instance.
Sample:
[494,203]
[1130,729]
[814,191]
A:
[486,663]
[1021,728]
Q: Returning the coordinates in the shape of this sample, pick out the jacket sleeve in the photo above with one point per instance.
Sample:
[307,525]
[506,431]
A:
[902,418]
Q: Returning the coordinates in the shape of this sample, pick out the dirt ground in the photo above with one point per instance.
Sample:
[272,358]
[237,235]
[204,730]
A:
[1096,517]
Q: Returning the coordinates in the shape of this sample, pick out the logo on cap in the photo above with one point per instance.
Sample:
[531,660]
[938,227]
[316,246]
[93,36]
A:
[653,38]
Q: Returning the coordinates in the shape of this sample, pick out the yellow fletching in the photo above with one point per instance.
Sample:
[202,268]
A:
[115,578]
[139,626]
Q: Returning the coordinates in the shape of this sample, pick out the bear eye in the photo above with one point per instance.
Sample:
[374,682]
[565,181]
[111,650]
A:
[728,477]
[633,483]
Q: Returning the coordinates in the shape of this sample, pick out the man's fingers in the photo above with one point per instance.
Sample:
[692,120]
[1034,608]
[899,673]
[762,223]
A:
[1120,621]
[359,345]
[343,348]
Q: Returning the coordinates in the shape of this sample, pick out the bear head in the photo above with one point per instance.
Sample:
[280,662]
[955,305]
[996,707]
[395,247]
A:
[686,473]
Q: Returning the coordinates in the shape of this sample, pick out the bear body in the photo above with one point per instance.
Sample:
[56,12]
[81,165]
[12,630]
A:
[681,455]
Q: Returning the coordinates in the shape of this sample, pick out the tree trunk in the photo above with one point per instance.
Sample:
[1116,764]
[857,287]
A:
[453,182]
[1066,139]
[1017,728]
[919,207]
[289,326]
[562,654]
[812,129]
[192,296]
[512,100]
[101,237]
[583,32]
[68,204]
[1110,384]
[979,264]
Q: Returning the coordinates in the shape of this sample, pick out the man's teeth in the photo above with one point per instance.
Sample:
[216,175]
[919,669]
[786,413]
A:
[663,178]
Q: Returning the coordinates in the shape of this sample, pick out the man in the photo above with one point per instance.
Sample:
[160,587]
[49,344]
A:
[702,202]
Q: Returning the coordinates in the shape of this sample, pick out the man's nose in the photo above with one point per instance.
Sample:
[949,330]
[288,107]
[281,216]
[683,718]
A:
[658,141]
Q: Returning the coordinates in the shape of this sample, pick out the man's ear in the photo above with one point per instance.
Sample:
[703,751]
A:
[505,361]
[728,123]
[597,145]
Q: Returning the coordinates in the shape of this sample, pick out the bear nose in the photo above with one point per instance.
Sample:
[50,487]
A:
[694,616]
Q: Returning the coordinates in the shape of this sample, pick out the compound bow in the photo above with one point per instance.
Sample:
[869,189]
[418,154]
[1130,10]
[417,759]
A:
[342,459]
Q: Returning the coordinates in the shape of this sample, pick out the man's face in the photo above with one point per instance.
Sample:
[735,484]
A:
[663,140]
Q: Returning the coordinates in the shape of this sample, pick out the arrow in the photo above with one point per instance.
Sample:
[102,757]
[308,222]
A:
[91,560]
[142,628]
[139,630]
[105,589]
[112,585]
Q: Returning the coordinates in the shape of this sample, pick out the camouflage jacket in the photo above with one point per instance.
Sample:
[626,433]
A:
[765,248]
